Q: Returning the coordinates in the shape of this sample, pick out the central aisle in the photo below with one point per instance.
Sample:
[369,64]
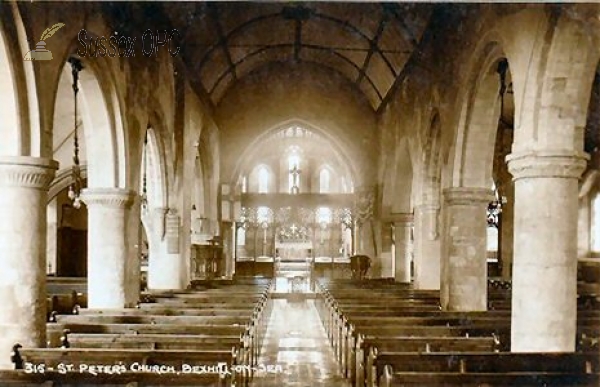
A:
[296,340]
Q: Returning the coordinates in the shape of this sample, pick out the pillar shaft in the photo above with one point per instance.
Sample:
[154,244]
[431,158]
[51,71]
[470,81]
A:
[403,248]
[427,250]
[107,248]
[24,185]
[464,266]
[164,259]
[506,233]
[544,290]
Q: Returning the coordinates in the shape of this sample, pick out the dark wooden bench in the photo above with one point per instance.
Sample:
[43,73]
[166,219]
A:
[480,363]
[242,311]
[357,353]
[469,379]
[389,314]
[152,341]
[225,319]
[152,319]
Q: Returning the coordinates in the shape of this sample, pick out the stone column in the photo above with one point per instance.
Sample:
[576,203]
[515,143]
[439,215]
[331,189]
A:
[506,232]
[427,251]
[544,288]
[464,253]
[163,256]
[107,247]
[386,258]
[403,250]
[24,183]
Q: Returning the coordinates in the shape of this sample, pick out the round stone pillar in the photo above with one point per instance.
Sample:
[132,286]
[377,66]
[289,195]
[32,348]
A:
[164,261]
[464,253]
[107,249]
[427,249]
[544,287]
[24,183]
[402,227]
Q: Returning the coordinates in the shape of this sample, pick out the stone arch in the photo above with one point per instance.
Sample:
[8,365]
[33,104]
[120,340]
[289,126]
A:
[101,114]
[16,136]
[402,179]
[431,165]
[478,123]
[564,92]
[203,174]
[154,216]
[107,136]
[157,182]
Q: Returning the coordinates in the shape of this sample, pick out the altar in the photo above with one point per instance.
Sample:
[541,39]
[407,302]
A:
[293,266]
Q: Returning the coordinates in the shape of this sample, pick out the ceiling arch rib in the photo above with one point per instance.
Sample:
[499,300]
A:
[369,49]
[308,58]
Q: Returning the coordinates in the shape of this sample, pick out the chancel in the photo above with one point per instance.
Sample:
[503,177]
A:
[299,194]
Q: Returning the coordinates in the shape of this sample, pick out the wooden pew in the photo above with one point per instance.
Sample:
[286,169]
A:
[363,346]
[161,328]
[152,341]
[355,312]
[153,319]
[521,379]
[243,310]
[64,293]
[549,365]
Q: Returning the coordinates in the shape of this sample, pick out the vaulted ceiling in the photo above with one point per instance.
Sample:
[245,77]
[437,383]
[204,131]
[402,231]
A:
[368,43]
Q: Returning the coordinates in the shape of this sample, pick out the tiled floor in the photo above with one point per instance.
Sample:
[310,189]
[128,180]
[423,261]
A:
[296,342]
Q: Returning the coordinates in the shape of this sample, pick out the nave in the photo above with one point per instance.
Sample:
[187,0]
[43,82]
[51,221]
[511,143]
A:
[296,340]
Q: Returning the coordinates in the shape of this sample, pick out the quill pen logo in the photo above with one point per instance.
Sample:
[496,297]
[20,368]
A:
[40,52]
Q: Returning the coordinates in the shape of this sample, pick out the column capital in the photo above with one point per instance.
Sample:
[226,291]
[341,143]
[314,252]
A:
[27,172]
[468,195]
[566,164]
[108,197]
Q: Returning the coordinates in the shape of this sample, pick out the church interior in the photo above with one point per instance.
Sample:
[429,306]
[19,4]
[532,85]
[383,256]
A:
[329,194]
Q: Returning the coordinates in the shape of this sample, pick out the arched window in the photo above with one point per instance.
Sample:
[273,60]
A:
[595,237]
[244,184]
[324,180]
[263,180]
[294,172]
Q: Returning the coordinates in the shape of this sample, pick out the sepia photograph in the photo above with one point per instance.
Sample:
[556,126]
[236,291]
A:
[299,193]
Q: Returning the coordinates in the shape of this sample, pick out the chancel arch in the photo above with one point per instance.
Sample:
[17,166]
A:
[298,213]
[297,130]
